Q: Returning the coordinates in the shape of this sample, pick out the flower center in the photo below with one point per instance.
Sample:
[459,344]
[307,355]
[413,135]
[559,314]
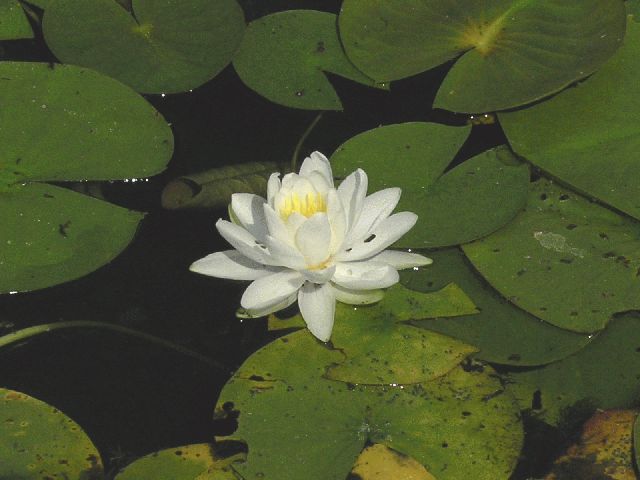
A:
[305,205]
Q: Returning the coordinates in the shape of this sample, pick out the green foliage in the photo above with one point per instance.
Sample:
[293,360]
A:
[68,123]
[167,47]
[463,204]
[197,461]
[13,22]
[636,440]
[378,348]
[502,332]
[603,375]
[283,57]
[213,188]
[564,259]
[39,441]
[298,424]
[508,52]
[591,132]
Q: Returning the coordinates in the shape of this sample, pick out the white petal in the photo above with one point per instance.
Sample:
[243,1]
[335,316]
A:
[267,292]
[230,264]
[317,306]
[357,297]
[273,187]
[284,254]
[352,192]
[243,241]
[277,227]
[387,232]
[294,222]
[365,275]
[249,210]
[319,163]
[319,276]
[313,239]
[319,182]
[375,209]
[337,220]
[272,308]
[400,260]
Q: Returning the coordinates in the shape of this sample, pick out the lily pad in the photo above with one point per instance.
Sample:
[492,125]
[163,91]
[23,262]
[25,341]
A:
[378,462]
[591,132]
[13,22]
[39,441]
[603,450]
[502,332]
[161,47]
[466,203]
[284,57]
[379,349]
[197,461]
[71,123]
[52,235]
[603,375]
[564,259]
[510,52]
[299,425]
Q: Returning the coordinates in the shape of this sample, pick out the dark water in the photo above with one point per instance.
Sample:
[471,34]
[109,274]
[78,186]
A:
[133,397]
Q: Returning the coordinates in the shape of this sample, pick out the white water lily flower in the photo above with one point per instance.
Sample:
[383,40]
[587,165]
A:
[312,242]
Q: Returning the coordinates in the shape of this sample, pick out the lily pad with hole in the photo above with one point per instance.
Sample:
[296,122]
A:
[197,461]
[13,21]
[298,424]
[566,260]
[603,375]
[39,441]
[502,332]
[470,201]
[161,47]
[284,57]
[60,124]
[591,132]
[507,52]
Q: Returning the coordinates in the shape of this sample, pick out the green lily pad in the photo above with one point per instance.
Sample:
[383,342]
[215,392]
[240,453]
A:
[591,132]
[196,461]
[511,52]
[299,425]
[603,375]
[52,235]
[283,57]
[466,203]
[164,47]
[13,22]
[504,333]
[378,349]
[566,260]
[70,123]
[39,441]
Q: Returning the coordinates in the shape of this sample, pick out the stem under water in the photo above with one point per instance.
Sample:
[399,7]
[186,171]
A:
[296,152]
[25,333]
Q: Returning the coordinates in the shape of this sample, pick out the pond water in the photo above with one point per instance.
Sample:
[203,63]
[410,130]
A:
[134,395]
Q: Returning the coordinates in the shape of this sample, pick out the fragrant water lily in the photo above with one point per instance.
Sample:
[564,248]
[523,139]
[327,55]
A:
[313,242]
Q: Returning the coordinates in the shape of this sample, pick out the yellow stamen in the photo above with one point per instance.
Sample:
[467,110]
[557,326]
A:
[306,206]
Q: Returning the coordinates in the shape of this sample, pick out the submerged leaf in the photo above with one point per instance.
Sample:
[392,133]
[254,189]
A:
[13,22]
[213,188]
[591,132]
[52,235]
[163,47]
[466,203]
[564,259]
[510,52]
[602,375]
[455,424]
[284,57]
[379,462]
[504,333]
[39,441]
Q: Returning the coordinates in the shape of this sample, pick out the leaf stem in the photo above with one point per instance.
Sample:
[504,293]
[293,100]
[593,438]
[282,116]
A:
[296,152]
[25,333]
